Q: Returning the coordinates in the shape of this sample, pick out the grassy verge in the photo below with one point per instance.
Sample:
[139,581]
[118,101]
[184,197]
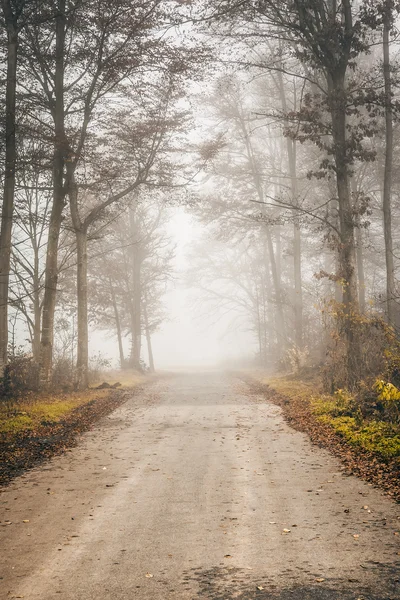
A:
[370,447]
[37,410]
[40,426]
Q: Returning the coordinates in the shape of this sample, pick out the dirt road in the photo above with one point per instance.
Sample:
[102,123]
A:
[196,489]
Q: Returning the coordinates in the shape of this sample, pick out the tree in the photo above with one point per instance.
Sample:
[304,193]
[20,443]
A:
[327,38]
[12,12]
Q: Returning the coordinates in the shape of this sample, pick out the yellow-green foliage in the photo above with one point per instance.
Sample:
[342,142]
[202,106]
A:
[52,408]
[342,412]
[16,424]
[389,395]
[387,392]
[373,436]
[44,410]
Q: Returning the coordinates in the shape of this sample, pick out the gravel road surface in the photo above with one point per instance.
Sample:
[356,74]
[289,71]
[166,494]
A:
[196,488]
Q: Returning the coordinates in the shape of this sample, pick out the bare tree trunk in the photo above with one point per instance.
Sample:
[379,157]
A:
[117,326]
[148,338]
[82,364]
[9,178]
[347,254]
[36,329]
[137,294]
[292,163]
[280,322]
[359,249]
[360,270]
[51,272]
[387,181]
[259,329]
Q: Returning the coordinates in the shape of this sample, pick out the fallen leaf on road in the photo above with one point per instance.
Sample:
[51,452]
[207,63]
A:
[148,575]
[320,579]
[260,587]
[356,536]
[228,556]
[286,531]
[25,521]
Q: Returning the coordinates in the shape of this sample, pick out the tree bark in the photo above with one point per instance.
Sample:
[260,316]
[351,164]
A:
[137,294]
[359,249]
[117,326]
[347,253]
[148,338]
[387,181]
[280,322]
[292,164]
[51,271]
[9,178]
[82,364]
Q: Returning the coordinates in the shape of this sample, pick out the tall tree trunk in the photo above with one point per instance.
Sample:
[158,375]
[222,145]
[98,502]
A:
[387,181]
[359,248]
[137,293]
[292,164]
[37,313]
[9,177]
[280,321]
[117,326]
[51,271]
[82,364]
[37,309]
[148,337]
[259,329]
[360,270]
[347,253]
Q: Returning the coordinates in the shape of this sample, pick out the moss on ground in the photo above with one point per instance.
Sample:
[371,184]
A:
[341,413]
[28,414]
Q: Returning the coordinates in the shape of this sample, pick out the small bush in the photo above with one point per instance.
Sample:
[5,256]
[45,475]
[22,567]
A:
[97,365]
[21,375]
[376,437]
[63,374]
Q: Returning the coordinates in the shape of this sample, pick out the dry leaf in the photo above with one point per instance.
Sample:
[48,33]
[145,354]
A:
[149,575]
[320,579]
[286,531]
[25,521]
[260,587]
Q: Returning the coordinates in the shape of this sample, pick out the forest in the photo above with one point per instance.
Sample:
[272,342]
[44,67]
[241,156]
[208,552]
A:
[275,125]
[215,182]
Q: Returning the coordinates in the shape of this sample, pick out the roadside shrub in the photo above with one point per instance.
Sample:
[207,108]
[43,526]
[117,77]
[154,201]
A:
[63,375]
[21,375]
[389,398]
[295,359]
[97,365]
[375,436]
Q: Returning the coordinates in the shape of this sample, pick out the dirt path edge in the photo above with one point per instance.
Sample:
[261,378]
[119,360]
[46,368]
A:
[384,475]
[31,448]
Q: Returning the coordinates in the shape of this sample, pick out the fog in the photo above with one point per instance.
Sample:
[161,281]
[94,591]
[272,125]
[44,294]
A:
[185,340]
[200,190]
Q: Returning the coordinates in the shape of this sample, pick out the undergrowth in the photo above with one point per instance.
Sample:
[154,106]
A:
[34,409]
[376,430]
